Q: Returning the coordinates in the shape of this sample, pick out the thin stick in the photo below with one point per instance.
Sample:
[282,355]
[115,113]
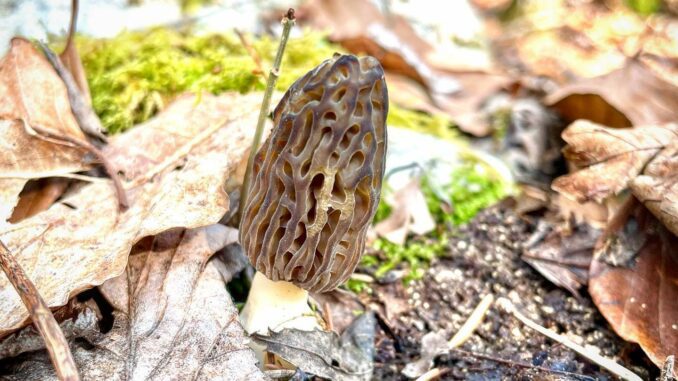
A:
[287,23]
[517,364]
[253,53]
[472,322]
[44,321]
[554,261]
[108,166]
[433,374]
[601,361]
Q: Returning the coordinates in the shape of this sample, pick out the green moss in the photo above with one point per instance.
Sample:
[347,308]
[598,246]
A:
[415,254]
[357,286]
[134,75]
[436,125]
[473,187]
[645,7]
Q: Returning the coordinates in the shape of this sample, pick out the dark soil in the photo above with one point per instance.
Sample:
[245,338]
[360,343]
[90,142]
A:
[484,257]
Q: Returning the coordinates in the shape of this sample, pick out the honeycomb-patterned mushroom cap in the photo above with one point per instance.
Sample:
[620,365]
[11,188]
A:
[317,178]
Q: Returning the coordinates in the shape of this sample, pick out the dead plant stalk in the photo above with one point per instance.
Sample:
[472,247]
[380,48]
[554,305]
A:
[42,317]
[287,23]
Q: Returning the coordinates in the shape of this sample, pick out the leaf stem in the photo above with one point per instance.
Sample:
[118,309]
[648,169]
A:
[287,23]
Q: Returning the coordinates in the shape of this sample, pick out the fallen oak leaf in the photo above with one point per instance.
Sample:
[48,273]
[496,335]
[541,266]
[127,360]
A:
[564,258]
[163,142]
[82,324]
[391,40]
[178,322]
[612,157]
[81,241]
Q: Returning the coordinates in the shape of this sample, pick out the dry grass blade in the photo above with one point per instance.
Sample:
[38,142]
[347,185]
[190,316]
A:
[42,317]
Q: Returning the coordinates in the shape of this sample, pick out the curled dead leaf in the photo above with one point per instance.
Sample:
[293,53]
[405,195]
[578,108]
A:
[611,157]
[630,96]
[33,95]
[409,214]
[326,354]
[638,296]
[657,187]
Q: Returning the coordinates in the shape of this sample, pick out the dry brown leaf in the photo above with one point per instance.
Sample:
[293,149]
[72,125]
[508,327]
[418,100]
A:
[565,40]
[657,187]
[564,257]
[83,241]
[419,74]
[630,96]
[612,157]
[409,214]
[181,323]
[362,29]
[33,95]
[37,196]
[191,124]
[9,196]
[638,295]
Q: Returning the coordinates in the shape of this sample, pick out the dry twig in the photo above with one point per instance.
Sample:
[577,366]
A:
[42,317]
[517,364]
[601,361]
[287,22]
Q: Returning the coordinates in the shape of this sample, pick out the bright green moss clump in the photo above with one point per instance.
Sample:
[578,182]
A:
[133,75]
[473,187]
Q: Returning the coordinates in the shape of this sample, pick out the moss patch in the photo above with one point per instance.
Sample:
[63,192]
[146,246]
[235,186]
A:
[133,75]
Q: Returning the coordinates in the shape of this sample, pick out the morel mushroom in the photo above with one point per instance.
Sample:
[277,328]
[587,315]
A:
[315,189]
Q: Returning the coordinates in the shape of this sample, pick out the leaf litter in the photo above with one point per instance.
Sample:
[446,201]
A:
[85,236]
[173,317]
[174,170]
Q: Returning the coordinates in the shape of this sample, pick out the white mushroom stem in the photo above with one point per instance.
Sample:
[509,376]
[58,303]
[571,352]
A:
[275,306]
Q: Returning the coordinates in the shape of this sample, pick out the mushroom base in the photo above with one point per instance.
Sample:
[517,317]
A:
[275,306]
